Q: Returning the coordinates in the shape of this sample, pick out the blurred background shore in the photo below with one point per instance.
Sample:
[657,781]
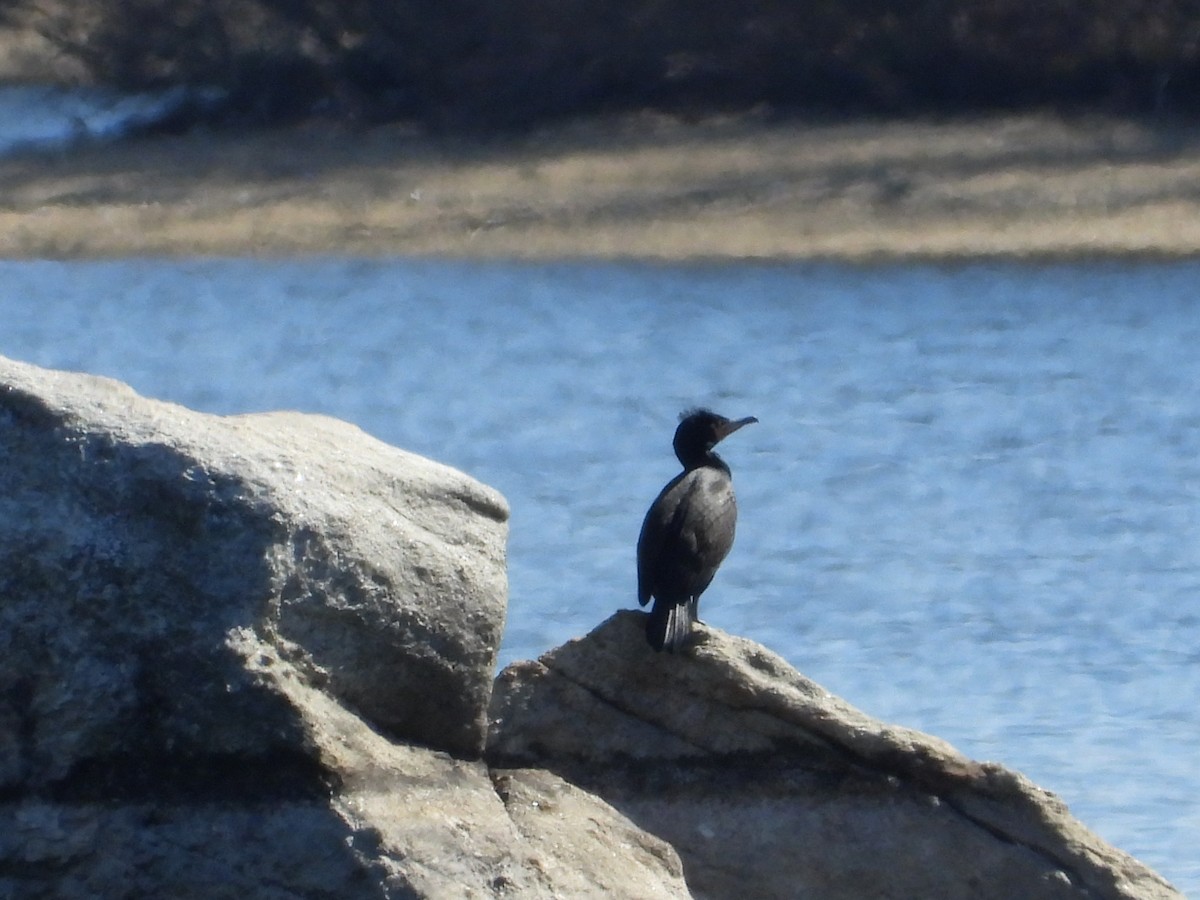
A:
[966,133]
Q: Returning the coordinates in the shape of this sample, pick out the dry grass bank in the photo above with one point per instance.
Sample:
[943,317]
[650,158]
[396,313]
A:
[1031,186]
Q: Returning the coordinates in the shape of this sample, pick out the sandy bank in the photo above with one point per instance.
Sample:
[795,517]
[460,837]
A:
[1030,186]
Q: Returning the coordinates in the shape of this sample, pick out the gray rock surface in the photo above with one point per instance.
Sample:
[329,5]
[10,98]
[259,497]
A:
[232,653]
[769,786]
[371,819]
[135,535]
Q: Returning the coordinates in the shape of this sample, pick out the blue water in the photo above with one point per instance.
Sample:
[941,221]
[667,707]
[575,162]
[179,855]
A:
[972,504]
[45,117]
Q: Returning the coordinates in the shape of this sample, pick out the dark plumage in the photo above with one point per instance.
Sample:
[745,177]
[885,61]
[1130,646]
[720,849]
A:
[688,530]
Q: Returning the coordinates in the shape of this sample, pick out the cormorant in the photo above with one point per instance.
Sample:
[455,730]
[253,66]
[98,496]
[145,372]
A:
[688,529]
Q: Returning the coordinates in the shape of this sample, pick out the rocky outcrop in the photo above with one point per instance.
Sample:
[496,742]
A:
[769,786]
[136,535]
[251,657]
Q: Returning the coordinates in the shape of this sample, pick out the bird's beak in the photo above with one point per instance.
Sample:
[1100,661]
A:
[727,428]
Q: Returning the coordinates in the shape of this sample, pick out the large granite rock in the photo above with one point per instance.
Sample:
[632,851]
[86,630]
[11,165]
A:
[769,786]
[250,657]
[136,535]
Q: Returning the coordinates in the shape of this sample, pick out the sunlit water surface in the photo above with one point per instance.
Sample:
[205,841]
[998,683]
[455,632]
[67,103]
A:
[971,506]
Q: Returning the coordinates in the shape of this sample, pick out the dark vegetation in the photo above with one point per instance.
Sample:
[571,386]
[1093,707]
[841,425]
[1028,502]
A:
[488,64]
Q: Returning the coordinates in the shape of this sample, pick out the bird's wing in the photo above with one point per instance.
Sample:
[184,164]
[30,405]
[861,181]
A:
[685,536]
[660,528]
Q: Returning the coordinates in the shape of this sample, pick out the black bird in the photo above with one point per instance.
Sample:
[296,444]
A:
[688,530]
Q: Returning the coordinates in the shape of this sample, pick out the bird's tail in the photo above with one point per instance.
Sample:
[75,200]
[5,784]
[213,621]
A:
[669,624]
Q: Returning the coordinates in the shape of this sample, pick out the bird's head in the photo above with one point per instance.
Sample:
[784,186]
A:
[700,430]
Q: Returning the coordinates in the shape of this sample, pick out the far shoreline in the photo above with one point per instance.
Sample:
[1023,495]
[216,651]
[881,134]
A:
[1032,188]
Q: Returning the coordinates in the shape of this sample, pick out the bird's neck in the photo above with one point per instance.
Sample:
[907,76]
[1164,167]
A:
[707,459]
